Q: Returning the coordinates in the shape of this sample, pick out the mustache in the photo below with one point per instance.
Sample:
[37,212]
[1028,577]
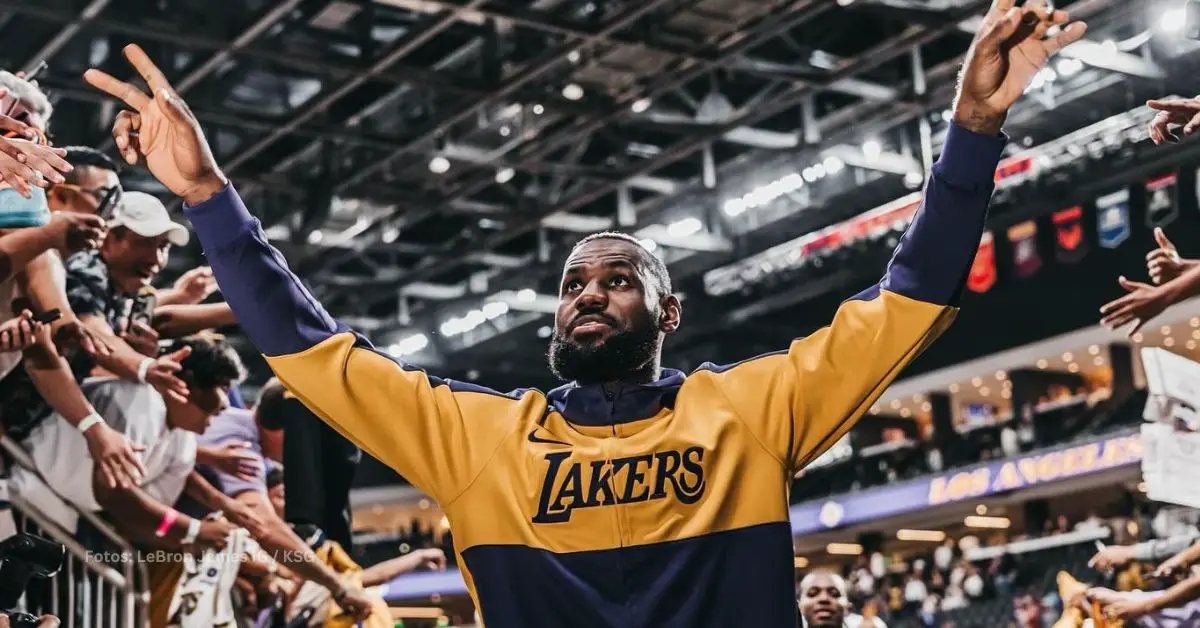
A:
[590,317]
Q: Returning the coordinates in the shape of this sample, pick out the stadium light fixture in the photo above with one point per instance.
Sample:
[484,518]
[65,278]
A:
[640,105]
[844,549]
[927,536]
[572,91]
[504,175]
[439,165]
[991,523]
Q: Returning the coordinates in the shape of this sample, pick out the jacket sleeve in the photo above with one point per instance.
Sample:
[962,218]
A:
[437,434]
[798,403]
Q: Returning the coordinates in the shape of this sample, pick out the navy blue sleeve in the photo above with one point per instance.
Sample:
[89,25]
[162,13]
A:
[934,256]
[271,304]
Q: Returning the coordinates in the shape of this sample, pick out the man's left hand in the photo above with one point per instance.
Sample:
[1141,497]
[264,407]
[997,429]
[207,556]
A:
[142,338]
[1011,47]
[162,130]
[1143,303]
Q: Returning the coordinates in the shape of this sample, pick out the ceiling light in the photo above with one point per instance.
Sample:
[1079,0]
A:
[800,562]
[985,391]
[913,179]
[1001,375]
[528,295]
[504,175]
[916,398]
[896,404]
[953,388]
[1069,67]
[994,523]
[981,509]
[572,91]
[409,345]
[1099,361]
[947,115]
[685,227]
[1094,349]
[844,549]
[926,407]
[315,237]
[1073,367]
[1042,364]
[977,381]
[1168,342]
[439,165]
[495,309]
[505,131]
[538,110]
[544,331]
[905,412]
[833,165]
[872,149]
[1166,330]
[1138,337]
[1068,356]
[1195,322]
[1173,20]
[573,56]
[390,234]
[640,105]
[929,536]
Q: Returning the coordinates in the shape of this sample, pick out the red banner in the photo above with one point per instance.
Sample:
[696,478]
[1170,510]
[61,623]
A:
[1068,234]
[983,270]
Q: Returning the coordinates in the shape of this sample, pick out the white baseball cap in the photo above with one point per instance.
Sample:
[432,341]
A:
[146,216]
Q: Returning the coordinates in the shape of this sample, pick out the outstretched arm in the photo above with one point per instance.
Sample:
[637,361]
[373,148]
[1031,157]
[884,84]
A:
[338,374]
[800,402]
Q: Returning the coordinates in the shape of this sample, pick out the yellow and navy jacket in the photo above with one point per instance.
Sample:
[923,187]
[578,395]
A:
[658,505]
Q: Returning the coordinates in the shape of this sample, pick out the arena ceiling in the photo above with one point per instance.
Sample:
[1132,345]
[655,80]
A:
[419,159]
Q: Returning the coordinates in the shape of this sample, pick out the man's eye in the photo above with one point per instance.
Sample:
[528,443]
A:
[620,281]
[572,286]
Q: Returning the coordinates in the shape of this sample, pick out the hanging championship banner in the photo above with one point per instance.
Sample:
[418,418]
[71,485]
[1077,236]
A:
[1024,243]
[1161,206]
[983,270]
[1112,219]
[1068,235]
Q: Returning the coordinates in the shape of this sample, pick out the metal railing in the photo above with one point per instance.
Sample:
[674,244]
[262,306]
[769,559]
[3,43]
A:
[88,592]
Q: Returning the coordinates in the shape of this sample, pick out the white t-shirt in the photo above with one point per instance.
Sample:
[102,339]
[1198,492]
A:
[61,456]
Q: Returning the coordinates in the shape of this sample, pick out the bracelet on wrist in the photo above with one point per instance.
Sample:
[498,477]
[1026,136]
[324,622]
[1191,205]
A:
[89,421]
[193,532]
[144,368]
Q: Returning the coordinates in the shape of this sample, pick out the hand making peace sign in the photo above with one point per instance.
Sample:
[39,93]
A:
[162,131]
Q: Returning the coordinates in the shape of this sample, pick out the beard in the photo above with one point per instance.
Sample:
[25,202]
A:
[618,357]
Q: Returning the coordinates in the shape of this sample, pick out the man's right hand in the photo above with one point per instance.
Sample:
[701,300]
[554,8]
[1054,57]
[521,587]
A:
[214,533]
[161,375]
[74,232]
[1164,262]
[1111,557]
[20,333]
[162,130]
[119,464]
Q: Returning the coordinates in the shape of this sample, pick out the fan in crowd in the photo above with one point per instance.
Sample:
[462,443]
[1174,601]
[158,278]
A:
[117,395]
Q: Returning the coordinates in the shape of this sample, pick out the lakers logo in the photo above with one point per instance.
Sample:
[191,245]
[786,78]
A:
[589,484]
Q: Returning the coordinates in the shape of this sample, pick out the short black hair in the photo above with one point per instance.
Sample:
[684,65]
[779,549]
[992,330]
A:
[271,409]
[84,156]
[658,269]
[213,362]
[274,476]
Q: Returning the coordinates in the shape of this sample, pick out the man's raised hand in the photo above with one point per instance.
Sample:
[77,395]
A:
[1013,44]
[161,130]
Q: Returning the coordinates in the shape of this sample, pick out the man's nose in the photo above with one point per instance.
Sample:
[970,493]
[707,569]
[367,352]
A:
[592,297]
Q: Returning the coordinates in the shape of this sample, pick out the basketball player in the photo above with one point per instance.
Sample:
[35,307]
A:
[634,495]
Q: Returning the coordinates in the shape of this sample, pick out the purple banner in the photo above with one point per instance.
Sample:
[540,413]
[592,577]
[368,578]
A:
[973,482]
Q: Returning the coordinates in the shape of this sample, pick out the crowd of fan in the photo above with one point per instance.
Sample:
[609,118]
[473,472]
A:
[931,590]
[120,397]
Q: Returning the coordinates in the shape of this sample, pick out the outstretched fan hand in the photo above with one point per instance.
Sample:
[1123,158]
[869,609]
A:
[161,130]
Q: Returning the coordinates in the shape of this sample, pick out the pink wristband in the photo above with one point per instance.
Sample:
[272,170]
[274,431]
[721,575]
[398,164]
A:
[168,520]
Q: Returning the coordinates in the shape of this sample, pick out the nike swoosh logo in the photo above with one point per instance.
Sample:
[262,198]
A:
[534,438]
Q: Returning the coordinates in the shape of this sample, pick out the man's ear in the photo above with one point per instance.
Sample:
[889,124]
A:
[672,310]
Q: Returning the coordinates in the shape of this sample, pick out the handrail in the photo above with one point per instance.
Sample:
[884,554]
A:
[132,570]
